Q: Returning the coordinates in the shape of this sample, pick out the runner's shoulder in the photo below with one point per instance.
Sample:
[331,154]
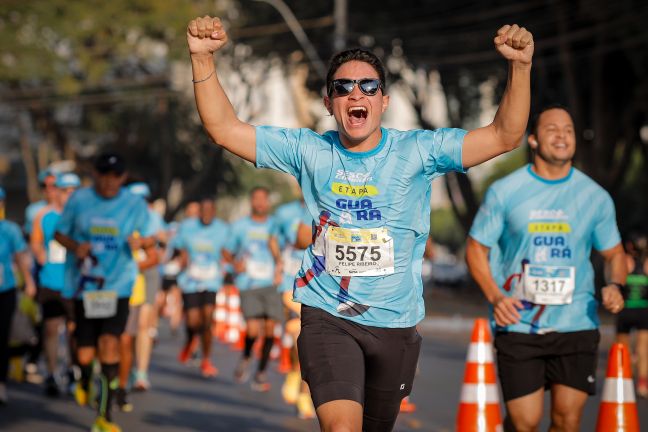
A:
[10,227]
[503,187]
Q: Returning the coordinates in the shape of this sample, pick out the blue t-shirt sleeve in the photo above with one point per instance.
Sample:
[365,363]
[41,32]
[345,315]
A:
[488,225]
[278,149]
[441,150]
[605,234]
[17,240]
[65,223]
[142,221]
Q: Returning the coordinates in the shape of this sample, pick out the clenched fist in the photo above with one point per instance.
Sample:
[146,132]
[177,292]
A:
[514,43]
[205,35]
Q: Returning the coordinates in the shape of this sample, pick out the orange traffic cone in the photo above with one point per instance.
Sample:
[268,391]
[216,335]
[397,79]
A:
[407,406]
[479,409]
[220,315]
[285,362]
[618,410]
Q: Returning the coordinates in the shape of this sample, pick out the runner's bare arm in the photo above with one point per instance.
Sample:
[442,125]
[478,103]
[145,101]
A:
[505,133]
[23,262]
[504,308]
[304,236]
[81,250]
[205,36]
[611,295]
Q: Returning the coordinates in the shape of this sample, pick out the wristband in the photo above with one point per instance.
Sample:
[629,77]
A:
[618,285]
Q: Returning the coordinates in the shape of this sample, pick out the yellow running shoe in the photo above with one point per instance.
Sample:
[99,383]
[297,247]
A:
[305,408]
[290,389]
[103,425]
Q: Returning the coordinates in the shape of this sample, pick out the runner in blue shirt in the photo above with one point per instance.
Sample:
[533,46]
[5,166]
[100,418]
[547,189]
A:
[288,218]
[47,183]
[248,249]
[97,227]
[543,220]
[50,256]
[201,242]
[368,189]
[12,250]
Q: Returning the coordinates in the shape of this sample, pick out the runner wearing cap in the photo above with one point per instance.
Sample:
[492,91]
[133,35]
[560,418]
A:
[13,249]
[97,228]
[50,256]
[543,221]
[368,190]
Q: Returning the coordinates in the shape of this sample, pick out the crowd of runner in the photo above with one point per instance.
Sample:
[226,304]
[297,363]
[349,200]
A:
[104,267]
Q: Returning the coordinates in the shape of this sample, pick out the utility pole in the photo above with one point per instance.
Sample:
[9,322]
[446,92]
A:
[299,34]
[340,17]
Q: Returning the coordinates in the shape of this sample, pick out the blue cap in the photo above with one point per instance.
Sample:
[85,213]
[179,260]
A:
[140,189]
[68,180]
[2,194]
[43,174]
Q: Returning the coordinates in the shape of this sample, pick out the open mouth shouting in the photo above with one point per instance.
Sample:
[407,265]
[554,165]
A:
[357,115]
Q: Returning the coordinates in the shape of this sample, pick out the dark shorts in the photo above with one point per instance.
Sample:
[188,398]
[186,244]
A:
[168,283]
[88,330]
[53,304]
[198,299]
[374,366]
[528,362]
[262,303]
[632,319]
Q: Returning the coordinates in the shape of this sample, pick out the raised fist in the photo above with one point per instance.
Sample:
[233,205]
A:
[514,43]
[205,35]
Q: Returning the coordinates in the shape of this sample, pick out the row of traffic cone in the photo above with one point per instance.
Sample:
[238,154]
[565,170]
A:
[479,409]
[229,328]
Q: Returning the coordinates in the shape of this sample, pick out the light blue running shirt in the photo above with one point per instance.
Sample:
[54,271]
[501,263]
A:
[52,274]
[382,199]
[204,245]
[11,243]
[287,219]
[106,224]
[30,214]
[532,221]
[249,241]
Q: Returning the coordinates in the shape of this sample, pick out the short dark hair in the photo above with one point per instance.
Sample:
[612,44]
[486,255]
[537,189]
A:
[260,188]
[355,54]
[533,124]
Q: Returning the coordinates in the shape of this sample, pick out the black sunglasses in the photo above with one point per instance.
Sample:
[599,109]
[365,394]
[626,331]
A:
[344,86]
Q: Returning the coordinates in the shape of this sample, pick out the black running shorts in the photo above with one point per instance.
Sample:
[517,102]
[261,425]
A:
[198,299]
[54,305]
[632,319]
[528,362]
[88,330]
[374,366]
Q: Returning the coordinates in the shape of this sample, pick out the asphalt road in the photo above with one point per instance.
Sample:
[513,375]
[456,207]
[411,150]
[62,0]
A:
[181,400]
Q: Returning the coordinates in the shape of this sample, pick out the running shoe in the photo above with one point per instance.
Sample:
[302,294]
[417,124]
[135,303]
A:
[3,394]
[292,386]
[642,388]
[241,373]
[207,369]
[103,425]
[121,399]
[188,351]
[305,407]
[260,383]
[51,387]
[142,382]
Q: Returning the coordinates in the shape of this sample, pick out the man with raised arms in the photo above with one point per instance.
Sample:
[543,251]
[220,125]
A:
[368,190]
